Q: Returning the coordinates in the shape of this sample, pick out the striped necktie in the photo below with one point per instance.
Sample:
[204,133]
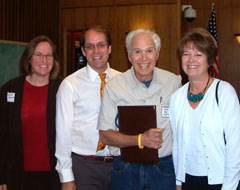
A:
[103,82]
[102,76]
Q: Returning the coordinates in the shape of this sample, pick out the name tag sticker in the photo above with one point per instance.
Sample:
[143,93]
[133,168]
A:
[10,96]
[165,112]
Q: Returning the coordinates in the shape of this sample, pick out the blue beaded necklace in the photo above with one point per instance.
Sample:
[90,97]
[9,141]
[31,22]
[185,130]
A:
[197,97]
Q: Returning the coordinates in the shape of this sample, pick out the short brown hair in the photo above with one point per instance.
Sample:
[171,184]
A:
[96,28]
[24,64]
[202,40]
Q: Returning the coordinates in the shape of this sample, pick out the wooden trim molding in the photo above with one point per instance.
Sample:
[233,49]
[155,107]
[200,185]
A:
[66,4]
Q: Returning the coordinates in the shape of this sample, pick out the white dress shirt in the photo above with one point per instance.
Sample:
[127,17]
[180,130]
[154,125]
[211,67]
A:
[77,109]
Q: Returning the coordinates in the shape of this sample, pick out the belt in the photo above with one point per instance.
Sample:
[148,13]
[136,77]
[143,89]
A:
[169,157]
[99,158]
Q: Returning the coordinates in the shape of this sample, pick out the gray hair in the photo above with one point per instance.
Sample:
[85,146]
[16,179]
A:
[151,33]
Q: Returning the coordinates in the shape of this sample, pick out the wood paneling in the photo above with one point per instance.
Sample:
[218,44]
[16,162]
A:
[121,17]
[21,20]
[156,17]
[97,3]
[228,23]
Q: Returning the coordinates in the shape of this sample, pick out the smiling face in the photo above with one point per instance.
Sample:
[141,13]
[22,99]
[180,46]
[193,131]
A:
[96,50]
[194,62]
[42,60]
[143,56]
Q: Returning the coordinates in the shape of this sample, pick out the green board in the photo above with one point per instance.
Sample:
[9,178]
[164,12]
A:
[10,54]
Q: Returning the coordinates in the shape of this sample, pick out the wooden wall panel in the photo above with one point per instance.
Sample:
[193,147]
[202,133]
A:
[98,3]
[156,17]
[120,19]
[87,16]
[67,16]
[21,20]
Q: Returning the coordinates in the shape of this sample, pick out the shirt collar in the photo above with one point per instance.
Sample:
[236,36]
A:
[135,82]
[93,74]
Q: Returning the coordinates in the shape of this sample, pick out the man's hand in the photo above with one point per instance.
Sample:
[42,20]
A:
[68,186]
[3,187]
[178,187]
[152,138]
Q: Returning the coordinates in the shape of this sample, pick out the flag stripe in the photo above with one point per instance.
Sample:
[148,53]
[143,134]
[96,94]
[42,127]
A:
[212,29]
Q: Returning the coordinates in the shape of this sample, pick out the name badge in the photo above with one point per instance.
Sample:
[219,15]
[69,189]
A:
[10,96]
[165,112]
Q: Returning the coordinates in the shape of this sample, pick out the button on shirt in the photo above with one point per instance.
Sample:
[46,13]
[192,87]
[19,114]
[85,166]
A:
[77,109]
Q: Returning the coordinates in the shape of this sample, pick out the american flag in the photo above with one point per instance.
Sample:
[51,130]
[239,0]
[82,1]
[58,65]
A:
[212,29]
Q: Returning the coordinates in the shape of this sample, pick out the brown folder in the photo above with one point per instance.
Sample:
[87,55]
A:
[134,120]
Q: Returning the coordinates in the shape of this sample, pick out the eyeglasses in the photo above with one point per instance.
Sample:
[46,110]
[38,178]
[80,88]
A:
[41,56]
[90,47]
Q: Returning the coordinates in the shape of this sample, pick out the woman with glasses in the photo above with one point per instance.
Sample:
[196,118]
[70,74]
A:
[27,121]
